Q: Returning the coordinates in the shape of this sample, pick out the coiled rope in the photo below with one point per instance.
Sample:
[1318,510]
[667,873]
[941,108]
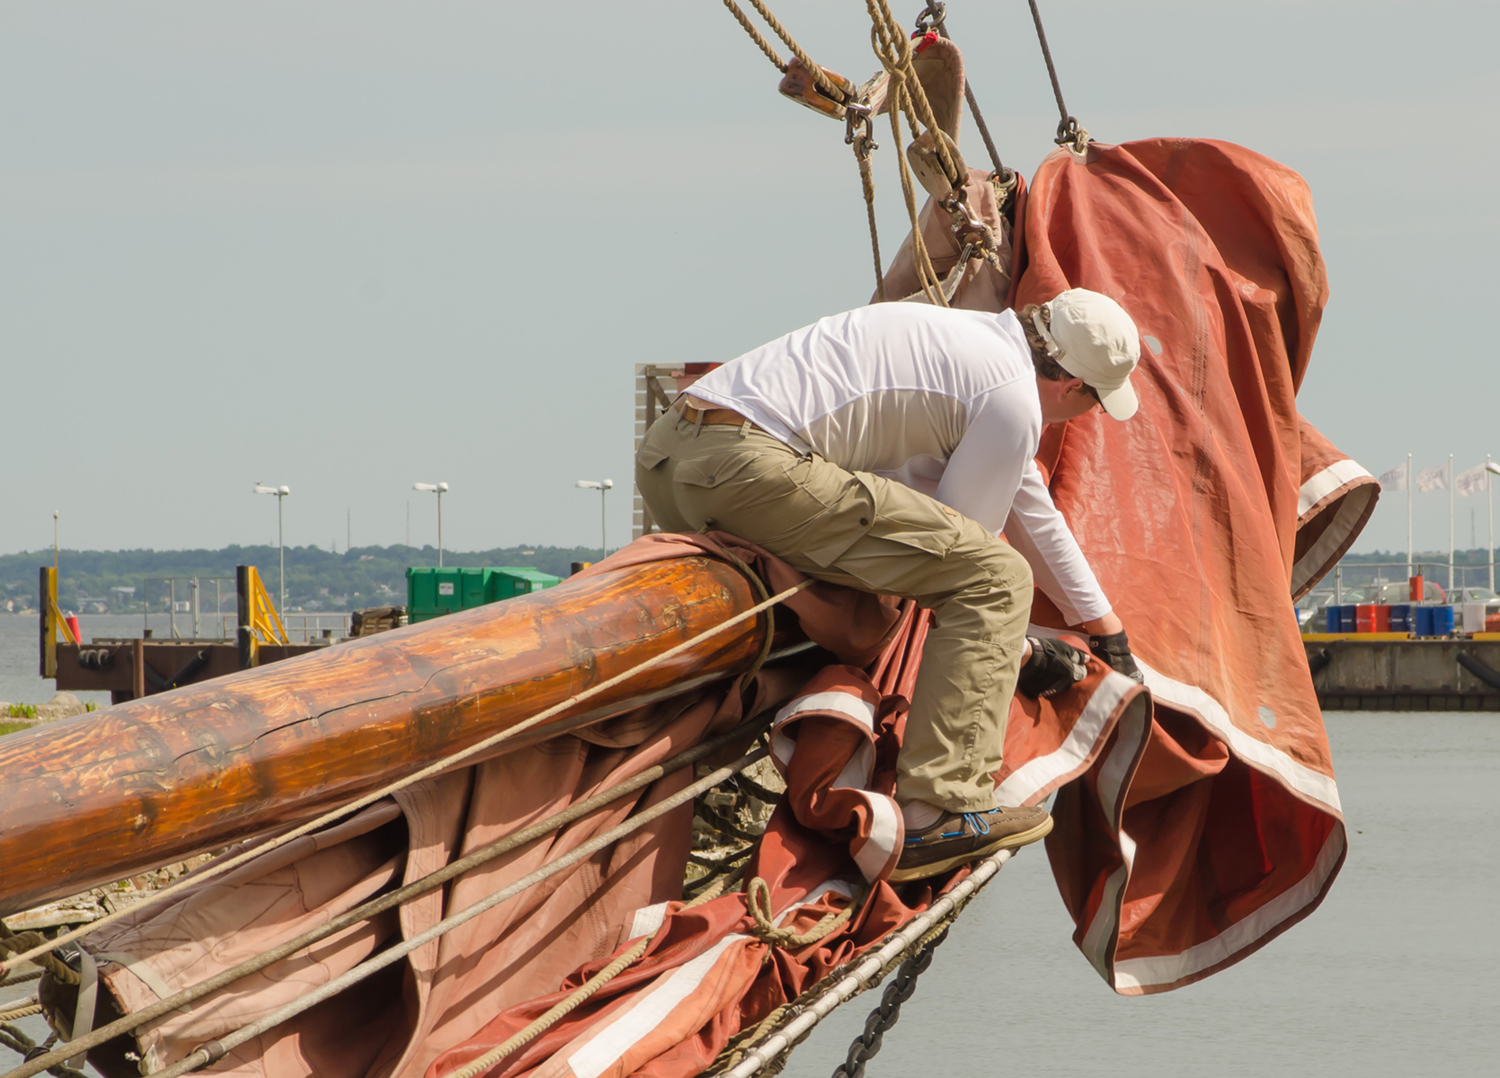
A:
[758,902]
[220,867]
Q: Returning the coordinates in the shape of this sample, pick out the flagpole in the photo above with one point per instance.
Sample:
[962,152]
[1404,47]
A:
[1409,485]
[1489,489]
[1450,522]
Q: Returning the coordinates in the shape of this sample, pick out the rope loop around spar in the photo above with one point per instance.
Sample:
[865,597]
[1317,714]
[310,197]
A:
[758,903]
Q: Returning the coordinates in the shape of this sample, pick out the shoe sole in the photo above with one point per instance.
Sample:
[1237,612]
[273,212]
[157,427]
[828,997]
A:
[1009,842]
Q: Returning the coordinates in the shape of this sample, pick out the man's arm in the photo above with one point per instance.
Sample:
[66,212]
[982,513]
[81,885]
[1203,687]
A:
[1037,529]
[1039,532]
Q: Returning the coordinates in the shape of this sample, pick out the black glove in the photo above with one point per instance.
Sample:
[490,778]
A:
[1054,667]
[1115,650]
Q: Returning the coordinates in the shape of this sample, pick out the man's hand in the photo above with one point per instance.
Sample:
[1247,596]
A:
[1114,648]
[1054,667]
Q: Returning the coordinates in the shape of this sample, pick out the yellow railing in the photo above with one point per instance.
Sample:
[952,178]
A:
[53,622]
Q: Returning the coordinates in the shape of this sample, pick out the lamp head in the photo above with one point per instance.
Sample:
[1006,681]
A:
[261,488]
[442,488]
[430,488]
[283,490]
[609,484]
[587,484]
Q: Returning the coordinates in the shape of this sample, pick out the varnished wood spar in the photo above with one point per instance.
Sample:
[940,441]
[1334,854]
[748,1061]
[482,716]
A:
[96,798]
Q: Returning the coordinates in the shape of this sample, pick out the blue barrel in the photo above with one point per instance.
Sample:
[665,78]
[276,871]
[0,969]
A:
[1347,617]
[1442,621]
[1421,621]
[1332,615]
[1401,617]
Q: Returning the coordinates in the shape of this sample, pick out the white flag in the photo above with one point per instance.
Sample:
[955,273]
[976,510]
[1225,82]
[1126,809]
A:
[1471,482]
[1396,478]
[1434,478]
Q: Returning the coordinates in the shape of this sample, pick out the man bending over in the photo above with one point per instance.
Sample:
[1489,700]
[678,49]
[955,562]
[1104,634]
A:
[883,449]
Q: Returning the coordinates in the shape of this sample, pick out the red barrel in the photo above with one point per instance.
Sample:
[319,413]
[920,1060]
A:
[1364,617]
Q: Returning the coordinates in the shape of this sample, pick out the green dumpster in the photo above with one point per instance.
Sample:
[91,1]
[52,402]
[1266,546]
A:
[433,592]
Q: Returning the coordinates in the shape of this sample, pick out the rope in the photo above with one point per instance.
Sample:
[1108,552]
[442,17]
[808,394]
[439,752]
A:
[888,1012]
[567,1006]
[17,1041]
[35,946]
[758,902]
[885,37]
[446,762]
[917,933]
[927,274]
[896,51]
[20,978]
[867,184]
[1068,131]
[824,82]
[938,12]
[26,1008]
[755,35]
[397,897]
[216,1050]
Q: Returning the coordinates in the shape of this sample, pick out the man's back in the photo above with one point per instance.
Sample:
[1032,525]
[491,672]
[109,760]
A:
[890,388]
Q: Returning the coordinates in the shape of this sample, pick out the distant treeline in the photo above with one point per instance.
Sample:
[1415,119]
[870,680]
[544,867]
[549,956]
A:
[315,579]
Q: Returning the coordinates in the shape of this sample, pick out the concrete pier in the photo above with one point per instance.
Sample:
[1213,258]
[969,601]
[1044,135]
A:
[1404,674]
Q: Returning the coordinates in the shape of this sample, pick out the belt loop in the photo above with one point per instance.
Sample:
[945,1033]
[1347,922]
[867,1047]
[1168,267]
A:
[745,428]
[698,423]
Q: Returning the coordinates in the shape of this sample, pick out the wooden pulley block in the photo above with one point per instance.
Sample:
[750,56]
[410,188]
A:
[928,164]
[799,85]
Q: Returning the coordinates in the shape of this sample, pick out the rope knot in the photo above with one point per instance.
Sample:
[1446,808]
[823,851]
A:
[758,902]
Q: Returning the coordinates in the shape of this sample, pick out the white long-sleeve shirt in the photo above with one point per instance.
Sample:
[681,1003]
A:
[941,400]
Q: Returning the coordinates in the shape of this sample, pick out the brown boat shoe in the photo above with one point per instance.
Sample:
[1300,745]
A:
[961,837]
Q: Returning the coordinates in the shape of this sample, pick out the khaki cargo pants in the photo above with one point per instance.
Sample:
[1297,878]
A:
[858,529]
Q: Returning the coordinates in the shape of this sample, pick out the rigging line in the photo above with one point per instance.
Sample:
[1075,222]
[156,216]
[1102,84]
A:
[580,995]
[1067,126]
[824,82]
[756,36]
[867,184]
[913,935]
[888,1012]
[216,1050]
[896,51]
[369,909]
[446,762]
[939,14]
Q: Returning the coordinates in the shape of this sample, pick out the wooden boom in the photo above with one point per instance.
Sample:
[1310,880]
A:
[93,799]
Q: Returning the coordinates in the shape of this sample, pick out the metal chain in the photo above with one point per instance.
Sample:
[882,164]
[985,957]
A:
[888,1013]
[1068,130]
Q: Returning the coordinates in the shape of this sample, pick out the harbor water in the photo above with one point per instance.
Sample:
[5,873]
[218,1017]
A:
[1398,973]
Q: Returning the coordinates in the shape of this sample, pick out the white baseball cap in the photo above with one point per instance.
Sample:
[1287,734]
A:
[1091,337]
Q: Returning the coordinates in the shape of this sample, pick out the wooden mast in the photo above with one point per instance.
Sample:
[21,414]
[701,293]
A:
[100,797]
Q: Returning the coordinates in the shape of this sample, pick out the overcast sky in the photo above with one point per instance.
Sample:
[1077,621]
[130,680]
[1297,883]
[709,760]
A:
[347,246]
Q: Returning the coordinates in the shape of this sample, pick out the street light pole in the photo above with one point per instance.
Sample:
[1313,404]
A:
[1489,488]
[280,492]
[601,485]
[439,489]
